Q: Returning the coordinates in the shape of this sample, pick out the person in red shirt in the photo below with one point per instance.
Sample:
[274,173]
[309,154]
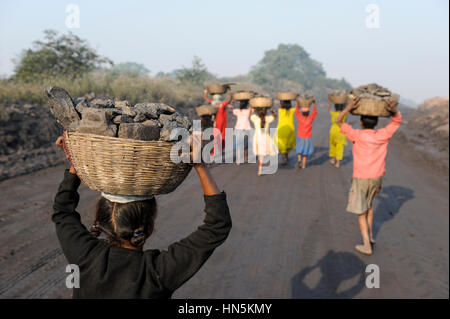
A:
[369,161]
[304,145]
[221,119]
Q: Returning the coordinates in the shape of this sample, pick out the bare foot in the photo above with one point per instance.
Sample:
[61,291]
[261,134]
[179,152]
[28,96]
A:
[364,250]
[299,164]
[338,164]
[332,161]
[304,165]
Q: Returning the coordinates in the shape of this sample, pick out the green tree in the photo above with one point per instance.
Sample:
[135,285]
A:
[196,74]
[65,54]
[129,68]
[290,63]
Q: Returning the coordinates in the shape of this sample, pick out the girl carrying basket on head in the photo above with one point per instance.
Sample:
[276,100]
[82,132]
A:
[119,267]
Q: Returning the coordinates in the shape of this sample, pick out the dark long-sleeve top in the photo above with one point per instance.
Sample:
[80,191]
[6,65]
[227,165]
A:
[114,272]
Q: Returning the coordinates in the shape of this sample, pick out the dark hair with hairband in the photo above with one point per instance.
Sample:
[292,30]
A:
[133,221]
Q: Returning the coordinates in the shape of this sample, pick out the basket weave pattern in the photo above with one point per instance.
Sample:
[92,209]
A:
[206,110]
[239,96]
[338,99]
[286,96]
[261,101]
[125,166]
[305,103]
[371,108]
[216,89]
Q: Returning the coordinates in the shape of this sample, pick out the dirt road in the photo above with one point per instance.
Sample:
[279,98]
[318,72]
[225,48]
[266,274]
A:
[291,236]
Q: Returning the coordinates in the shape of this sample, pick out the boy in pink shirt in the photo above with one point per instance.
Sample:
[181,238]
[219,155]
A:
[369,160]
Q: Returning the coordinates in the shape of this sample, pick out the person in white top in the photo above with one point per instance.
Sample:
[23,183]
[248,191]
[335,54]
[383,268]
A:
[263,144]
[242,130]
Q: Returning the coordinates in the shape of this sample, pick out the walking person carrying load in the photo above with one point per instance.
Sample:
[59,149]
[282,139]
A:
[119,267]
[221,116]
[263,144]
[129,173]
[370,148]
[305,118]
[336,139]
[285,127]
[242,127]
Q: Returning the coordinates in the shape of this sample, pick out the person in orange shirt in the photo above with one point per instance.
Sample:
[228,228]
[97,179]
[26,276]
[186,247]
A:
[304,145]
[369,160]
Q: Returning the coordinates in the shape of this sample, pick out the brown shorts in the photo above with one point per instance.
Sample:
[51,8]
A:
[362,192]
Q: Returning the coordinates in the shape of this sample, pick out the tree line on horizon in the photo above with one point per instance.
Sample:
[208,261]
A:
[288,67]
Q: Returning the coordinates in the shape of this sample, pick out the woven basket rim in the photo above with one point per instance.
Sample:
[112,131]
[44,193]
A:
[205,110]
[334,98]
[269,100]
[216,88]
[118,139]
[367,103]
[287,96]
[125,166]
[245,94]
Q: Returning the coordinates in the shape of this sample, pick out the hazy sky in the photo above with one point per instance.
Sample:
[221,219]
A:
[409,53]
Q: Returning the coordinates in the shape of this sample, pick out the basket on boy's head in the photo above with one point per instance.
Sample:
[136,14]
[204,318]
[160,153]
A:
[373,100]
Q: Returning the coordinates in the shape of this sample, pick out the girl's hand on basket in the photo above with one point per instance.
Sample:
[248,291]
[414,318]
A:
[60,142]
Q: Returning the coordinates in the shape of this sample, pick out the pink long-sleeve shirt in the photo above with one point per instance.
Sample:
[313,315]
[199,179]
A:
[370,148]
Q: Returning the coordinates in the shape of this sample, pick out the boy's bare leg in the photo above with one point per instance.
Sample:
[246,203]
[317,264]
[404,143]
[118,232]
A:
[366,248]
[338,164]
[305,158]
[332,160]
[299,161]
[370,224]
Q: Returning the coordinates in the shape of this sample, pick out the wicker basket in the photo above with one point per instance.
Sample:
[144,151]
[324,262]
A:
[305,103]
[286,96]
[125,166]
[216,88]
[371,107]
[338,99]
[242,96]
[261,101]
[206,110]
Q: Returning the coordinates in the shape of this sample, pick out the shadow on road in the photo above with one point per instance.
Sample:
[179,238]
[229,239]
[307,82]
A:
[320,157]
[328,274]
[390,200]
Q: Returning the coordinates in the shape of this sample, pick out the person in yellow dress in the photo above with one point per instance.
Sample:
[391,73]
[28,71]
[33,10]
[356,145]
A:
[286,130]
[337,139]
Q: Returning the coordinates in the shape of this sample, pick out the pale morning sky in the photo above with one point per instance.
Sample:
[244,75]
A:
[409,52]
